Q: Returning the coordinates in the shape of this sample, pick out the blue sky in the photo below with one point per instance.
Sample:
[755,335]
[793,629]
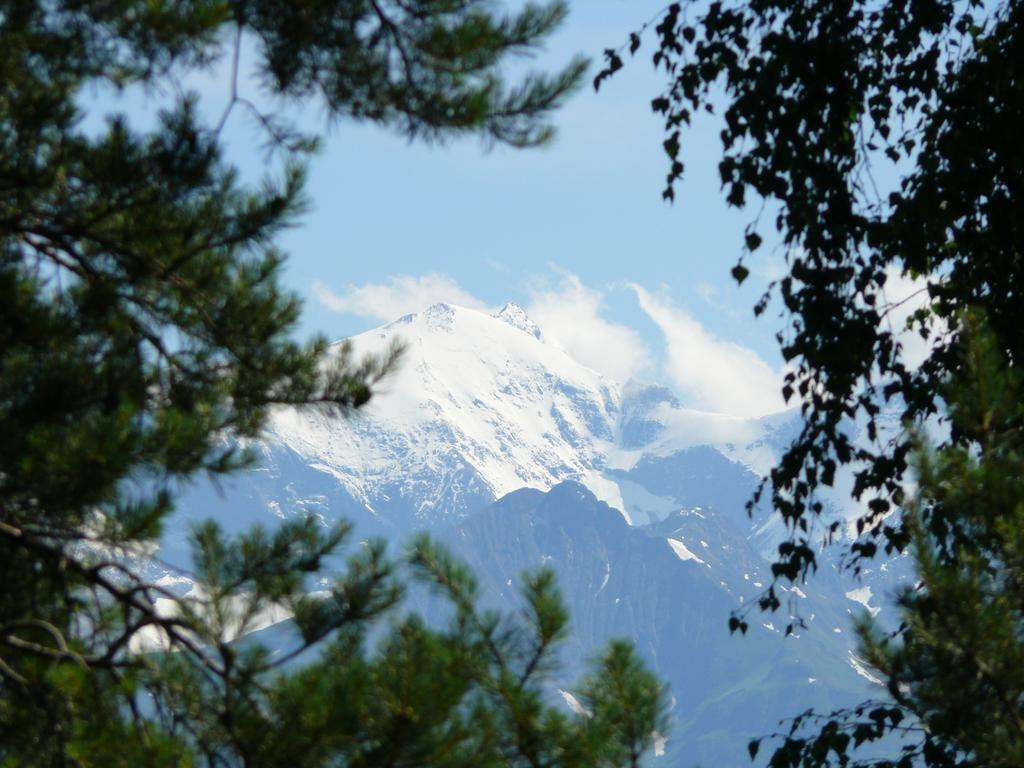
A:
[575,232]
[499,222]
[579,221]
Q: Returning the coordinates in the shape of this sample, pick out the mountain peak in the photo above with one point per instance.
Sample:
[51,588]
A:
[440,316]
[516,316]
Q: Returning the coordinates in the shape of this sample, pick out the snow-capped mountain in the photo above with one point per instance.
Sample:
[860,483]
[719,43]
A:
[483,405]
[486,404]
[494,437]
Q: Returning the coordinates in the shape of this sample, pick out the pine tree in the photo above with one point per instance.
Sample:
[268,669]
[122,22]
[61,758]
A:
[144,332]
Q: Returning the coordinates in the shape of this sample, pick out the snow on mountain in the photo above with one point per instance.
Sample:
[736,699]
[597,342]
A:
[481,405]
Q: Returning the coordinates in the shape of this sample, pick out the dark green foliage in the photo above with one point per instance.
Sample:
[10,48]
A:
[144,335]
[954,670]
[886,135]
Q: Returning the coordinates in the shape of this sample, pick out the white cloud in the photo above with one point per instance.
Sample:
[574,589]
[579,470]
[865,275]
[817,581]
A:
[712,374]
[570,313]
[399,295]
[689,427]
